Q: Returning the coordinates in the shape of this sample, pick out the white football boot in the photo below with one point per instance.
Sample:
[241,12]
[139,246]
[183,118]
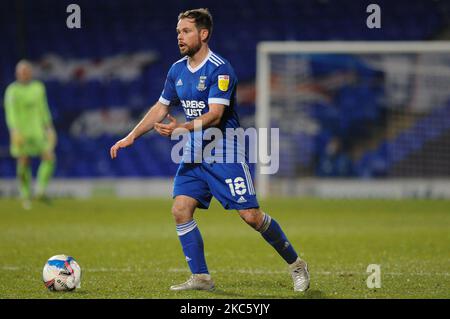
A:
[196,282]
[300,275]
[26,204]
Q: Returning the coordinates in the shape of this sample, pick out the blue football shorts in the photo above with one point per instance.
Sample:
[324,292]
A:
[230,183]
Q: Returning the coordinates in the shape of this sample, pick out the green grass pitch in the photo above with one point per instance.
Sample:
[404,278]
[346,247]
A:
[129,248]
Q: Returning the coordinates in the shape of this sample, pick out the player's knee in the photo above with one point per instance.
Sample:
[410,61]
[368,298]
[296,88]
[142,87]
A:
[23,160]
[181,213]
[48,156]
[252,217]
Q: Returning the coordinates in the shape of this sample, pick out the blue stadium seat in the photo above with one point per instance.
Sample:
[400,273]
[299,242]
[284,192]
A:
[115,26]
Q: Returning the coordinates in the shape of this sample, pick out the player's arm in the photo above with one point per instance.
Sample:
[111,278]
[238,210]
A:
[47,119]
[156,114]
[209,119]
[11,118]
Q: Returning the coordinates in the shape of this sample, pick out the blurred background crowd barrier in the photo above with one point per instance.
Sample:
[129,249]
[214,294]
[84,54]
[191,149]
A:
[376,118]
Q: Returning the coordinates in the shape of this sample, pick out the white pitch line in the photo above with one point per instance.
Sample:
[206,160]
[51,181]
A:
[14,268]
[239,271]
[274,272]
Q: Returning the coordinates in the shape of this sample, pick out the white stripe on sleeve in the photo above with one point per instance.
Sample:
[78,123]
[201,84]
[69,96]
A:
[215,100]
[164,101]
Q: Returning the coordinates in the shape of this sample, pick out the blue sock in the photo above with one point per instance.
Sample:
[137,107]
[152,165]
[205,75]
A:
[192,243]
[274,235]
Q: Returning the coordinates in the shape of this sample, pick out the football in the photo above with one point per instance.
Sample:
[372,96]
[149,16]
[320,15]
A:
[61,273]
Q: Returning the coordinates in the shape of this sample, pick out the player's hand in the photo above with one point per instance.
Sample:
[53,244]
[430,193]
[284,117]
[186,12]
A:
[52,138]
[17,138]
[125,142]
[167,129]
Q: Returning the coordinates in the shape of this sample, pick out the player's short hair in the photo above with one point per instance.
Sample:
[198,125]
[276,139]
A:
[25,63]
[202,17]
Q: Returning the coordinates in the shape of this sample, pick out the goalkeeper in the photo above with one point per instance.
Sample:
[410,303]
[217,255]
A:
[31,131]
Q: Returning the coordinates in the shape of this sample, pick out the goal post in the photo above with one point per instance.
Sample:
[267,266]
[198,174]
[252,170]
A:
[383,98]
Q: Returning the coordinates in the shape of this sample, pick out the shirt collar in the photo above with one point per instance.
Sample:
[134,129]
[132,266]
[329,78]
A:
[198,67]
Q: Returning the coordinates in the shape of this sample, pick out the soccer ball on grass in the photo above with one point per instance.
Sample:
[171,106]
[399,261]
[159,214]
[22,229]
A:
[61,273]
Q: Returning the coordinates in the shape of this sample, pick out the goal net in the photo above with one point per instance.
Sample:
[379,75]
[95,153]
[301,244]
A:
[358,110]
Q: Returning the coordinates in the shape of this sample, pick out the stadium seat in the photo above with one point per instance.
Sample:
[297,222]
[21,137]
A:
[128,27]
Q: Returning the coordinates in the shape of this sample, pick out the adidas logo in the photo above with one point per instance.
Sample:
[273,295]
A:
[188,259]
[241,200]
[179,83]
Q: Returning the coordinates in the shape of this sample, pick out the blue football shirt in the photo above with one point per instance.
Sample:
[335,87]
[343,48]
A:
[212,82]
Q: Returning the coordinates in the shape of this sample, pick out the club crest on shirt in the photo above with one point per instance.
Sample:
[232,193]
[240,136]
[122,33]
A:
[223,82]
[201,86]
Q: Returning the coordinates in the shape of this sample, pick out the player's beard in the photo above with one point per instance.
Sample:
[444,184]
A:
[191,51]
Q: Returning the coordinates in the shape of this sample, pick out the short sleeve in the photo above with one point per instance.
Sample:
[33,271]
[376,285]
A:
[46,115]
[11,116]
[169,93]
[222,86]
